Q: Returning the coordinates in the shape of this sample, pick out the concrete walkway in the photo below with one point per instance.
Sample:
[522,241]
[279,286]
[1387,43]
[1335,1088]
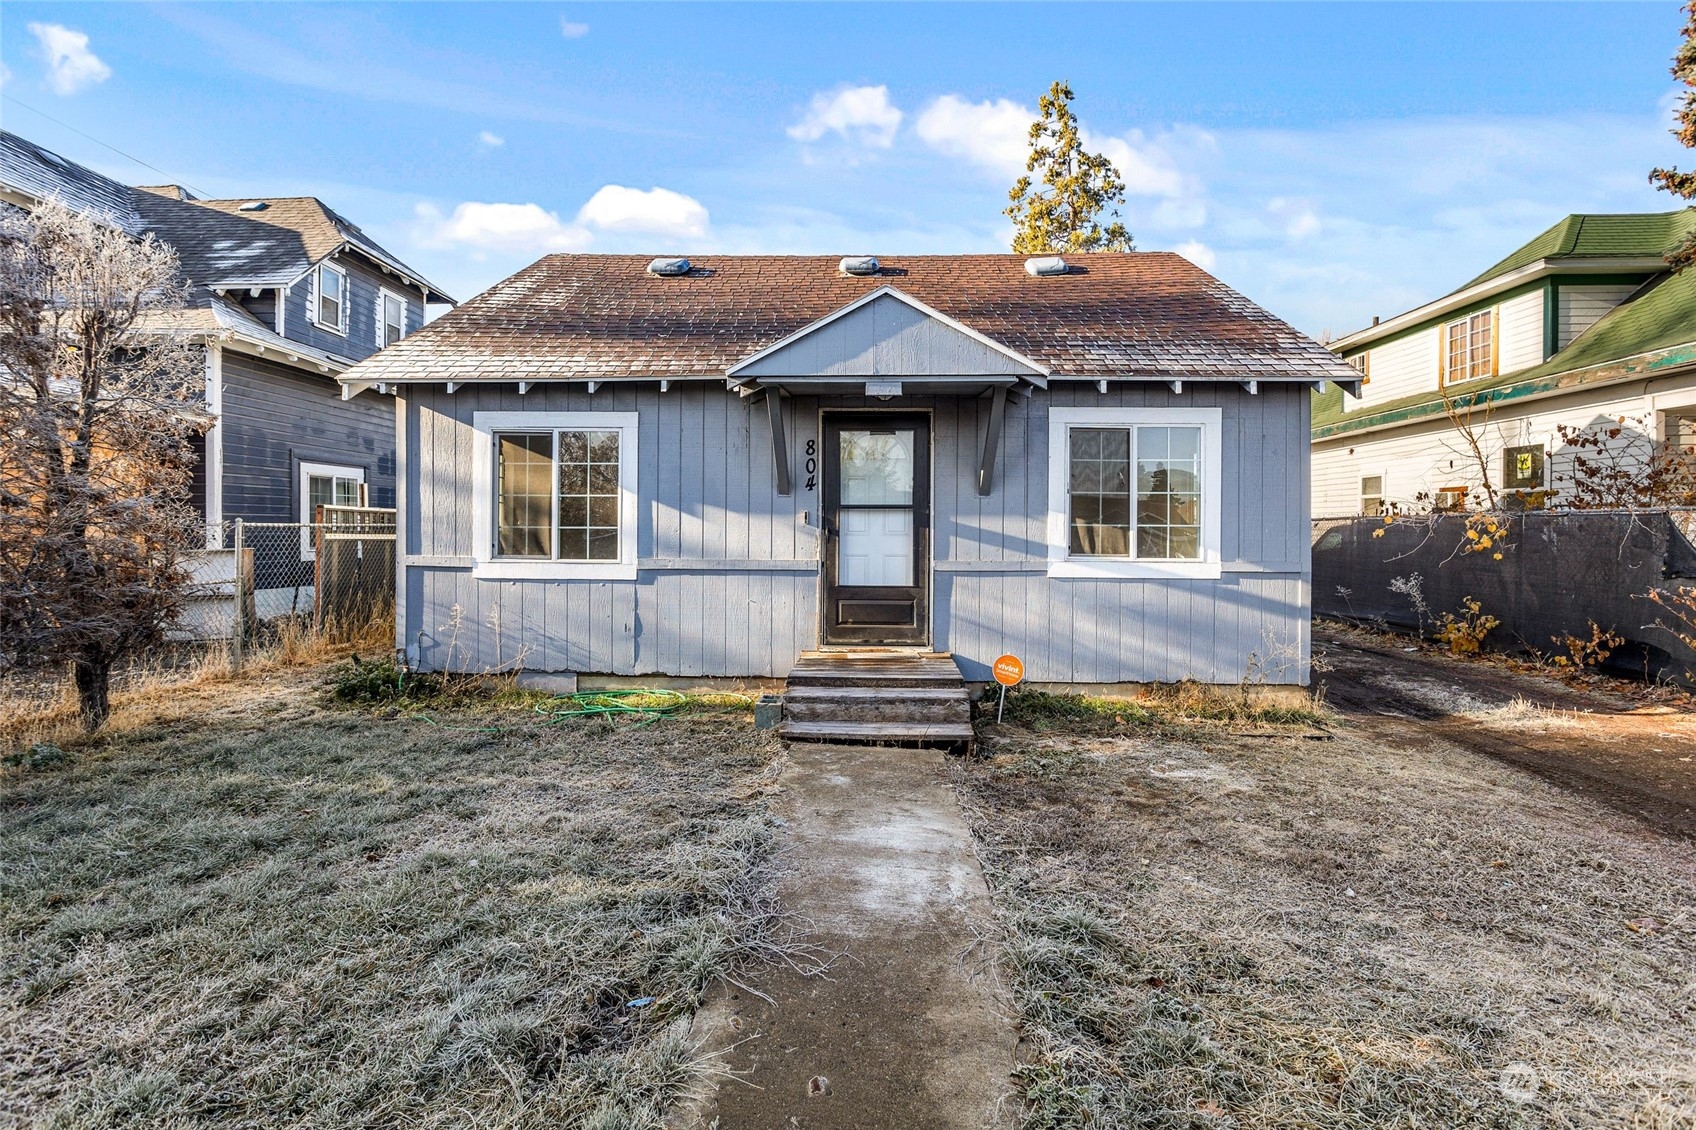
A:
[911,1028]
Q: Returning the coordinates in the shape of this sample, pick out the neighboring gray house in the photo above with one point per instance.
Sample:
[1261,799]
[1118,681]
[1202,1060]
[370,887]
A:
[616,466]
[287,295]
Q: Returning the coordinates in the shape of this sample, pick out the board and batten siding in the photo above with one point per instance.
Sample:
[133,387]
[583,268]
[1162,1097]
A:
[728,580]
[885,337]
[276,417]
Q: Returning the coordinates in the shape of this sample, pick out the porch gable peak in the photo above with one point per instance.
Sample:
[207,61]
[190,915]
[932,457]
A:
[886,334]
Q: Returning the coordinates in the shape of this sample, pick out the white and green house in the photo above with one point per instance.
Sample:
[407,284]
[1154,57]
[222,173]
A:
[1583,326]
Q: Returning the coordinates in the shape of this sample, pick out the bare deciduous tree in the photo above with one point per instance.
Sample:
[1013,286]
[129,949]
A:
[98,403]
[1471,421]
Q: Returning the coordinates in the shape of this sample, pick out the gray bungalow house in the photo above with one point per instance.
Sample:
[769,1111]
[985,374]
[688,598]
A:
[286,296]
[633,467]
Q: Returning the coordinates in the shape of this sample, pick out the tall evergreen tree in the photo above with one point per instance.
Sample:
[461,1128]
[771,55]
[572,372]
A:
[1672,180]
[1065,212]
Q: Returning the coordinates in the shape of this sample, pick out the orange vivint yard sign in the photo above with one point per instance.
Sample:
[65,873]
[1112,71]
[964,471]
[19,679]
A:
[1009,671]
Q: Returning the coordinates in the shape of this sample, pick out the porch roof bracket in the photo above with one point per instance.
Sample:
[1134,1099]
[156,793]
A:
[779,441]
[991,440]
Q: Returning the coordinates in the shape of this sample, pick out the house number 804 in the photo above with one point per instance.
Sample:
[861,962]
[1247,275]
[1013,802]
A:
[812,464]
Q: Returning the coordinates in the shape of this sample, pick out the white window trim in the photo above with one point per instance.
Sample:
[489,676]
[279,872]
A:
[312,307]
[1060,564]
[307,470]
[383,293]
[485,565]
[1383,491]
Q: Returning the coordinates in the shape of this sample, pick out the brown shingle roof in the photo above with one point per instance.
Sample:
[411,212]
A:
[321,229]
[306,215]
[604,317]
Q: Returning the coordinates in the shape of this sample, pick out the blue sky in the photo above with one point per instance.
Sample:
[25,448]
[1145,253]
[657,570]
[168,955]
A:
[1332,161]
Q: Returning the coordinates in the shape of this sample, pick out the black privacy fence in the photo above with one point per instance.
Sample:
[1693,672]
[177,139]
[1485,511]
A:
[1613,589]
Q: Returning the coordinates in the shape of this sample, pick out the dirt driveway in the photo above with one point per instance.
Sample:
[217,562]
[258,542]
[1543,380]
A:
[1635,759]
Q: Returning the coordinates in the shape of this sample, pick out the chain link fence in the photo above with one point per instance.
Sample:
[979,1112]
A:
[256,580]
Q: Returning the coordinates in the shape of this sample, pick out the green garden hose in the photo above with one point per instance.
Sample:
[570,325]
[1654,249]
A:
[655,704]
[650,704]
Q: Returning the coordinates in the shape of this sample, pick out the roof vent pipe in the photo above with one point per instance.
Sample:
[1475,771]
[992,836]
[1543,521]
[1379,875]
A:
[1046,266]
[859,265]
[668,268]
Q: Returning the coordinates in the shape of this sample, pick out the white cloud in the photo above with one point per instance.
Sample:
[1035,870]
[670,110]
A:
[1298,219]
[572,30]
[1146,168]
[5,74]
[1198,253]
[71,66]
[518,230]
[993,135]
[658,211]
[482,228]
[996,137]
[862,114]
[1393,213]
[1670,104]
[490,140]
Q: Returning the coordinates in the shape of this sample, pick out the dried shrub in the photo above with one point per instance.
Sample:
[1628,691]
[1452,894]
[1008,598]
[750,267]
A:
[1464,634]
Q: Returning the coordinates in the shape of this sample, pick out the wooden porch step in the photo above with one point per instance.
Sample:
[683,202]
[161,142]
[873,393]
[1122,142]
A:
[889,697]
[878,704]
[816,669]
[877,731]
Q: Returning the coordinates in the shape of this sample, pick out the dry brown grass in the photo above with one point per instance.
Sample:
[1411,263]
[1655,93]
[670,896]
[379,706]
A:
[44,709]
[1207,929]
[242,907]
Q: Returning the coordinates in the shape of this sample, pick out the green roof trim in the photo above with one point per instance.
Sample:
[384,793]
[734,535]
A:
[1652,331]
[1599,236]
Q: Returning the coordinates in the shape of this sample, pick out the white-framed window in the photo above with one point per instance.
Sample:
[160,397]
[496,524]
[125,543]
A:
[1362,364]
[1469,347]
[391,317]
[1372,495]
[328,301]
[1134,492]
[554,495]
[326,484]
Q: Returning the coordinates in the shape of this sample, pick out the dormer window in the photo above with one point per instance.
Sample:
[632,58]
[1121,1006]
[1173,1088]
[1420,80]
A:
[329,298]
[391,318]
[1469,347]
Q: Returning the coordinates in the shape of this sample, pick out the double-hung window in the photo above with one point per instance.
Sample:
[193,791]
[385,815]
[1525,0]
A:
[1372,495]
[391,318]
[1469,347]
[556,495]
[329,298]
[1134,492]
